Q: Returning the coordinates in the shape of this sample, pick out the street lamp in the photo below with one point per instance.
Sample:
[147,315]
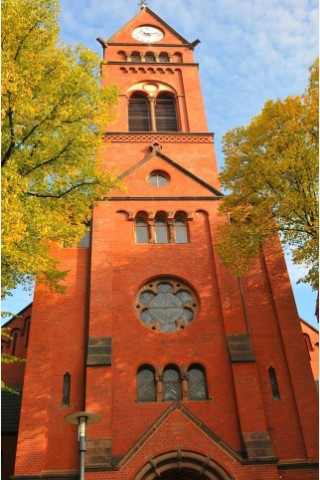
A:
[82,419]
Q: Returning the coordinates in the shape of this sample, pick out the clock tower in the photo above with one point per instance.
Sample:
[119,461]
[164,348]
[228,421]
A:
[194,373]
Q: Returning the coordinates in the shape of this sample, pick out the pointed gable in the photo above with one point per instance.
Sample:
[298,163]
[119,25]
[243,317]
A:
[180,179]
[178,425]
[147,17]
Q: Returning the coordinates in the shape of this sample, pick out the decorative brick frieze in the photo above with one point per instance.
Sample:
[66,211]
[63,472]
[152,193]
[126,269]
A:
[122,137]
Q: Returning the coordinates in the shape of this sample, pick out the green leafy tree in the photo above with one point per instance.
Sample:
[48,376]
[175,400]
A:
[271,170]
[53,115]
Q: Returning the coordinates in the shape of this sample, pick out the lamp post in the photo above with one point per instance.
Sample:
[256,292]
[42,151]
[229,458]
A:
[82,419]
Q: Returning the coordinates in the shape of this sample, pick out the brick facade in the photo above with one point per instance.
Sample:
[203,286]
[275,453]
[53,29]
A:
[251,424]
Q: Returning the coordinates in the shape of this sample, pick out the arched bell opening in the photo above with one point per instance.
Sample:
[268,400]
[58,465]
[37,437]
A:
[182,465]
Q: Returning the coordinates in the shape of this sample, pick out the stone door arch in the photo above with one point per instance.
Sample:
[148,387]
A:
[182,465]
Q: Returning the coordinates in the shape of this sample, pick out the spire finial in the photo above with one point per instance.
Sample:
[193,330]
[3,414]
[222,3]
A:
[143,4]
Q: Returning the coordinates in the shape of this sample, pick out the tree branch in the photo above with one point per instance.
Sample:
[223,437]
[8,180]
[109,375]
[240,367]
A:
[51,160]
[63,193]
[23,40]
[12,135]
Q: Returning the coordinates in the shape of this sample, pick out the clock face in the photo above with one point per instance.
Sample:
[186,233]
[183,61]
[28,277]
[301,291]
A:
[147,34]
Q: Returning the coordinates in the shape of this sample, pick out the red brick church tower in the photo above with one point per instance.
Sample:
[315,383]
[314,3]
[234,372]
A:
[194,373]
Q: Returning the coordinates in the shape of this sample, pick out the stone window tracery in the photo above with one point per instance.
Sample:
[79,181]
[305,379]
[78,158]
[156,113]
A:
[166,305]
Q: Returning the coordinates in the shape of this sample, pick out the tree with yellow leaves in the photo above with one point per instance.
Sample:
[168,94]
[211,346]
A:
[53,115]
[271,172]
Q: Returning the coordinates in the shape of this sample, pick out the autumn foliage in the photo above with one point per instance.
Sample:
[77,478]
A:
[53,113]
[271,172]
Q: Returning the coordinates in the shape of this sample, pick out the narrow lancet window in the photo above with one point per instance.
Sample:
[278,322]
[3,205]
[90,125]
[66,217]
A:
[274,384]
[66,389]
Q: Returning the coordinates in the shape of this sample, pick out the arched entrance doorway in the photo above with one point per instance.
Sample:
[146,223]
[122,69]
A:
[181,465]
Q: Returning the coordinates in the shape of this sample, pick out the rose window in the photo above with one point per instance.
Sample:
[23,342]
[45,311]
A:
[166,305]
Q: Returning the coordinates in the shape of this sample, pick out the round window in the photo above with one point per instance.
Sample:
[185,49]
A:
[158,179]
[166,305]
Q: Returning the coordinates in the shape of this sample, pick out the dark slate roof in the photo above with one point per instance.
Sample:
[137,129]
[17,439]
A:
[10,411]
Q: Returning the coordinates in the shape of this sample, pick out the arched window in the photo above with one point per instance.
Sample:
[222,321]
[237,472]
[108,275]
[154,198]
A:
[146,384]
[197,383]
[149,57]
[171,383]
[163,57]
[139,118]
[165,112]
[141,230]
[178,57]
[274,383]
[180,228]
[161,230]
[158,178]
[121,56]
[135,57]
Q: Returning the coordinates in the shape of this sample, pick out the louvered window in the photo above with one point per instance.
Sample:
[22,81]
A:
[163,57]
[165,112]
[146,384]
[135,57]
[139,118]
[149,57]
[197,383]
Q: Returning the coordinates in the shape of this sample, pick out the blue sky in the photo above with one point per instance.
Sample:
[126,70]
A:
[250,51]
